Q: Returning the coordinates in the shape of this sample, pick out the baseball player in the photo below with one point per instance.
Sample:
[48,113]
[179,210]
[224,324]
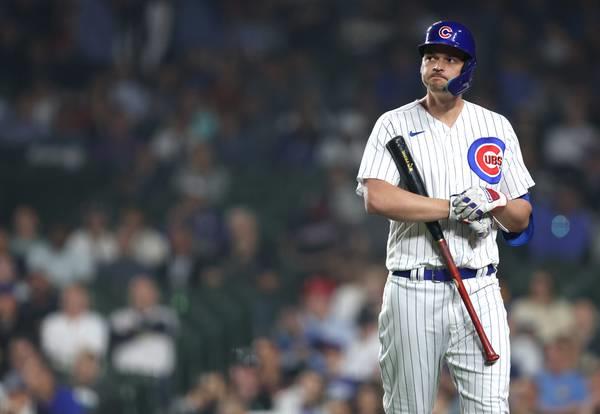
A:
[472,167]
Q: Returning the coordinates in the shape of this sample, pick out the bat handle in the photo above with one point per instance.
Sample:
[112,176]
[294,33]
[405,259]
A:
[489,354]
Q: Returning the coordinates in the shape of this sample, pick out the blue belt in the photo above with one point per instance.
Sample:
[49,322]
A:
[442,275]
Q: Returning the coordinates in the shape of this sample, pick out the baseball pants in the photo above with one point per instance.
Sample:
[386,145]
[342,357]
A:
[422,324]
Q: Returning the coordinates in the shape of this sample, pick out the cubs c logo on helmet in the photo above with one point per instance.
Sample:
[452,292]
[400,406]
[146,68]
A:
[445,32]
[485,158]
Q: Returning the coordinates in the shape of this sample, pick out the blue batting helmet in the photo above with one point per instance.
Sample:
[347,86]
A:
[455,35]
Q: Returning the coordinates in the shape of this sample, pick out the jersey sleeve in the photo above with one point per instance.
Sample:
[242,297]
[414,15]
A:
[516,179]
[376,161]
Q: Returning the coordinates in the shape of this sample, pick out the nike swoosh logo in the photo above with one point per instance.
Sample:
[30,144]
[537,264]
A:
[413,133]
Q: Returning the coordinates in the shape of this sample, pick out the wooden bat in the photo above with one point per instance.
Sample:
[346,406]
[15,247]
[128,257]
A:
[406,166]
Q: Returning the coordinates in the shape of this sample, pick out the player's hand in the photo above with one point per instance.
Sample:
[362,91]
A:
[481,228]
[473,203]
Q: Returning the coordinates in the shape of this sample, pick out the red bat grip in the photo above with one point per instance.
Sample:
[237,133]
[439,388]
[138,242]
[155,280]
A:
[490,355]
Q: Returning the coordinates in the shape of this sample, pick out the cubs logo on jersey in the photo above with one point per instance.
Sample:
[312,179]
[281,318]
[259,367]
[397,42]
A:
[485,158]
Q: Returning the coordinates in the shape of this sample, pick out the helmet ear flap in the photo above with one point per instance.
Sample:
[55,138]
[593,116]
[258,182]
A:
[462,82]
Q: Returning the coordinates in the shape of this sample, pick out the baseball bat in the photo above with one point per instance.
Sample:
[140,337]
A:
[406,166]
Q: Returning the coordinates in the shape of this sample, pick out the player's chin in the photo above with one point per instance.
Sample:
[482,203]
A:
[436,82]
[437,86]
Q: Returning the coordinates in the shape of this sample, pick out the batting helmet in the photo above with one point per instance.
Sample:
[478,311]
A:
[459,37]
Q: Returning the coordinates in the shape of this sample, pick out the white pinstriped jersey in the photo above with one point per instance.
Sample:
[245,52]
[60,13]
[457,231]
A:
[480,149]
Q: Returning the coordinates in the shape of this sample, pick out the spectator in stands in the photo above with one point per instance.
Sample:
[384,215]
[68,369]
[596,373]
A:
[89,385]
[21,350]
[327,358]
[337,406]
[42,299]
[73,330]
[25,234]
[318,324]
[567,144]
[246,385]
[585,331]
[95,239]
[235,147]
[50,396]
[362,287]
[299,134]
[143,333]
[115,145]
[250,266]
[22,128]
[10,277]
[267,300]
[206,395]
[305,395]
[341,199]
[561,387]
[344,147]
[231,405]
[206,224]
[547,315]
[12,324]
[248,258]
[14,397]
[270,371]
[111,277]
[201,176]
[179,268]
[61,264]
[169,143]
[368,399]
[145,244]
[361,357]
[524,396]
[293,345]
[526,351]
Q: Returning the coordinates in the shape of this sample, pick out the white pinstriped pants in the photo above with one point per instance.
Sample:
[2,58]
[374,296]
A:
[423,323]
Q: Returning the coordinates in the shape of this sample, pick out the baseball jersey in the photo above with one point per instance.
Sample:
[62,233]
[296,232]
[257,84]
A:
[480,149]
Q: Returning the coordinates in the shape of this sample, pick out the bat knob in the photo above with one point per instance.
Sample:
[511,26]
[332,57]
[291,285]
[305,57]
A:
[491,359]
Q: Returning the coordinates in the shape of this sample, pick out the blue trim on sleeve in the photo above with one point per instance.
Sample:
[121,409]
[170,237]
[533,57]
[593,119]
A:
[521,238]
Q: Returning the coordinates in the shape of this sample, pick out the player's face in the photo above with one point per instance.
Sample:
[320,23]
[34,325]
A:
[439,65]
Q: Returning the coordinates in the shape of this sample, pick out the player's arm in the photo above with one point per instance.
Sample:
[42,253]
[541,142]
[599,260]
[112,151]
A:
[514,216]
[385,199]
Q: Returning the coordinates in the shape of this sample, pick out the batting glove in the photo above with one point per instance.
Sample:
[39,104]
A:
[481,228]
[473,203]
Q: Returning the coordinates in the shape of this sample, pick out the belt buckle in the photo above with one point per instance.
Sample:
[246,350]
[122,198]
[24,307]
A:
[433,274]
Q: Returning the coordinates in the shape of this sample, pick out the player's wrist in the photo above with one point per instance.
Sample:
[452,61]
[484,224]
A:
[452,211]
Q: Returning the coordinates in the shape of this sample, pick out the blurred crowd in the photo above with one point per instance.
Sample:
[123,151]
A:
[179,229]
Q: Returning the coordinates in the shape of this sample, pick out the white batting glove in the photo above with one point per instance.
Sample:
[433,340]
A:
[473,203]
[481,228]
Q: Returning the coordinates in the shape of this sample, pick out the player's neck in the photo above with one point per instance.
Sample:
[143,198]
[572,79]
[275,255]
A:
[443,106]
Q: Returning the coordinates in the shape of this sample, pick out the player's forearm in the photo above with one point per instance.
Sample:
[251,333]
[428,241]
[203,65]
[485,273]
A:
[515,215]
[394,203]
